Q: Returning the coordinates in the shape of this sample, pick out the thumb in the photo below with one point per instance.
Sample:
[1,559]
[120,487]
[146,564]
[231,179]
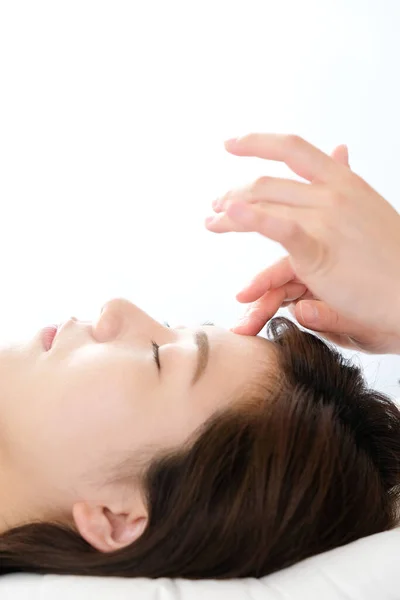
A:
[317,315]
[341,155]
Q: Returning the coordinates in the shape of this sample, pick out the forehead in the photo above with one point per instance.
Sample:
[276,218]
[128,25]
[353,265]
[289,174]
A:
[235,362]
[243,350]
[225,336]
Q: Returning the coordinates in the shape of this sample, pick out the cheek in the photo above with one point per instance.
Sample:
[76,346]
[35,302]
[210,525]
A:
[92,414]
[88,428]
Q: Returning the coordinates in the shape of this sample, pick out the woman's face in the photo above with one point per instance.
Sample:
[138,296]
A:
[98,396]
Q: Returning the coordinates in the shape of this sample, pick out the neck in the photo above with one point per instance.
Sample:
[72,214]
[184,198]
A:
[18,505]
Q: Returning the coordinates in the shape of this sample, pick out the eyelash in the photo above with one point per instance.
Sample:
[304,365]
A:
[156,346]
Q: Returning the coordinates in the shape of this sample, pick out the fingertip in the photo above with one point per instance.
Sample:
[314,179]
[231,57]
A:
[251,293]
[240,329]
[346,152]
[230,145]
[242,295]
[231,141]
[250,326]
[309,312]
[234,145]
[244,326]
[208,220]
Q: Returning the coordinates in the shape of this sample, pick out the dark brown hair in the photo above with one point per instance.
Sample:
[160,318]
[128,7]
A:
[313,466]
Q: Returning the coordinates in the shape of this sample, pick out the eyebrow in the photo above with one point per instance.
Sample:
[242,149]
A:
[203,352]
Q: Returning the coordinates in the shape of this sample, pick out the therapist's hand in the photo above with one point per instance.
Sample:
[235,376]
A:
[343,238]
[278,286]
[274,288]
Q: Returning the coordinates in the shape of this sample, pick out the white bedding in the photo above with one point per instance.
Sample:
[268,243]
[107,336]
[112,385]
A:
[368,569]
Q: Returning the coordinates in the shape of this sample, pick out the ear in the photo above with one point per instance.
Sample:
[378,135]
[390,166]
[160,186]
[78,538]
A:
[105,530]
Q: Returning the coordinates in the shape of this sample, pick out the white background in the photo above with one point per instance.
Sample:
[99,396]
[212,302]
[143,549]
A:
[112,121]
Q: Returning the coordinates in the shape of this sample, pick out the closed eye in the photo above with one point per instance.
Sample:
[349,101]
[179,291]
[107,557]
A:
[156,346]
[156,354]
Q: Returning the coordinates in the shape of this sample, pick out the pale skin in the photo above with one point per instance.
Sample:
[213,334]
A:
[96,398]
[342,238]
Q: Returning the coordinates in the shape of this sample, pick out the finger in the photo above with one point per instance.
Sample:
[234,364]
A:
[302,157]
[340,339]
[265,307]
[282,224]
[306,296]
[271,277]
[233,218]
[317,315]
[223,223]
[276,190]
[341,155]
[291,301]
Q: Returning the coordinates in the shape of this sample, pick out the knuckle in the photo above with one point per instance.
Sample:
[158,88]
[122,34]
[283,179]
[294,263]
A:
[336,198]
[263,180]
[259,184]
[252,135]
[321,263]
[292,142]
[248,137]
[291,230]
[223,200]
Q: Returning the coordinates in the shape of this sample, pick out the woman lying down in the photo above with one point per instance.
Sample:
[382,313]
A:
[129,448]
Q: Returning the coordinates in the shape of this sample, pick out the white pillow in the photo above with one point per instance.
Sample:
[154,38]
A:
[368,569]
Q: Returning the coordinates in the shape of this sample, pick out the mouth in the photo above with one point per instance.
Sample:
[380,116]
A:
[48,335]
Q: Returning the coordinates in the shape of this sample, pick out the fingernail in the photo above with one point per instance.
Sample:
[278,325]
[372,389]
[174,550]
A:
[231,140]
[209,220]
[215,203]
[308,312]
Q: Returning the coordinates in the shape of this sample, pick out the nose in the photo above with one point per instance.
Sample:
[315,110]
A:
[121,307]
[119,314]
[116,304]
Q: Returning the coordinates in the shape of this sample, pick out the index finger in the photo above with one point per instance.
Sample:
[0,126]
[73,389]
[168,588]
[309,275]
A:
[261,311]
[274,276]
[302,157]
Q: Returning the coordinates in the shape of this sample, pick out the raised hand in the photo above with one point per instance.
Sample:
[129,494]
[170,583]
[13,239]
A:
[343,238]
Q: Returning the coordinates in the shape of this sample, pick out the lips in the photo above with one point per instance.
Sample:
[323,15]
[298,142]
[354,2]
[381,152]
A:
[48,335]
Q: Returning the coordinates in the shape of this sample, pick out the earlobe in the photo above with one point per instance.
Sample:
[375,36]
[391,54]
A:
[107,531]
